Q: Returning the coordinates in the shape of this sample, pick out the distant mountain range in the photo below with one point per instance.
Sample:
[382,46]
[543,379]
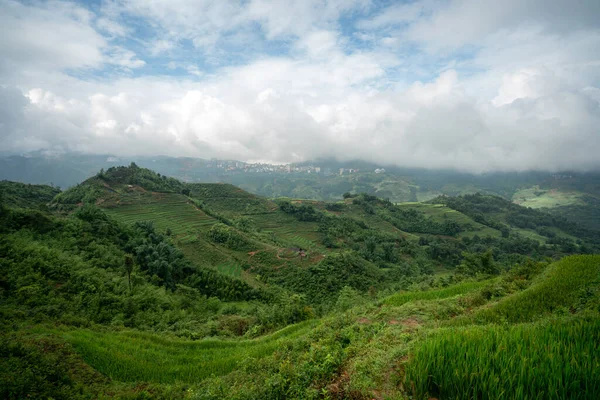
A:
[575,195]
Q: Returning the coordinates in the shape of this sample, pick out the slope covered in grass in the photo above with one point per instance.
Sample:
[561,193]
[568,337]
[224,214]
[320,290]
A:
[569,284]
[230,200]
[435,294]
[131,356]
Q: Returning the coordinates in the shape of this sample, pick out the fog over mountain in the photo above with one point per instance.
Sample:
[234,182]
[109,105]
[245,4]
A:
[474,85]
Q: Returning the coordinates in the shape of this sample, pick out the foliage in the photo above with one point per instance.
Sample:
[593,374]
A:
[455,290]
[229,237]
[21,195]
[569,285]
[550,360]
[302,212]
[180,295]
[473,264]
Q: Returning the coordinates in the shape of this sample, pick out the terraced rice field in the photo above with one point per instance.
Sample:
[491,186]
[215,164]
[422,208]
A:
[172,211]
[230,268]
[130,356]
[301,234]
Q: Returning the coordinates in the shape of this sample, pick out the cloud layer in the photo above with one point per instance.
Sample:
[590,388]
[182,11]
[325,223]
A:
[464,84]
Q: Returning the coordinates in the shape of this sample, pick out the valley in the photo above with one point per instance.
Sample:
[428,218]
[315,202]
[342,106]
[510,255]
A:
[136,285]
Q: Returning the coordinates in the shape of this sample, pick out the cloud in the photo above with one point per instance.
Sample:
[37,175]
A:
[454,84]
[50,36]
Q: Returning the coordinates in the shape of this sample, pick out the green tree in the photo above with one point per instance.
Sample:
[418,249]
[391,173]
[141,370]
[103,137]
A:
[477,263]
[129,268]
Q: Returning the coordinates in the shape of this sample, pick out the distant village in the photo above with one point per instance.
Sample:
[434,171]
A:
[239,166]
[245,167]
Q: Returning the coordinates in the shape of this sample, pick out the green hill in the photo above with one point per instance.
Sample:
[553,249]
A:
[135,285]
[21,195]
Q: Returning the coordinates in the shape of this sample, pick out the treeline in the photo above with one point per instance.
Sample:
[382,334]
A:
[485,209]
[77,269]
[302,212]
[22,195]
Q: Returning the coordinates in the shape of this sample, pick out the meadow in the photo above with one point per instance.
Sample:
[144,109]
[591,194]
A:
[535,197]
[565,286]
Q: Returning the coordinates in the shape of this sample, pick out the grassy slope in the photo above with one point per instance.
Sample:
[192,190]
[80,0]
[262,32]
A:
[394,349]
[564,285]
[230,200]
[130,356]
[535,197]
[455,290]
[552,360]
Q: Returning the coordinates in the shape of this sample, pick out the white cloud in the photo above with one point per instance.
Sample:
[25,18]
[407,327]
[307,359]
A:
[469,85]
[51,36]
[125,58]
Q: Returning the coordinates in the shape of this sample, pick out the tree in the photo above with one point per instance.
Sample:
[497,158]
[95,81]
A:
[389,252]
[129,268]
[478,263]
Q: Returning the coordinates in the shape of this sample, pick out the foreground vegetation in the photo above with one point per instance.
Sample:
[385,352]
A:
[134,285]
[557,359]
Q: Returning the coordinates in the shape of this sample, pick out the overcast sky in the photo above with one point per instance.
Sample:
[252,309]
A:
[474,85]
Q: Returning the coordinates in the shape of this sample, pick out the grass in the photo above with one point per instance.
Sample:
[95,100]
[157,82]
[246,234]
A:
[530,234]
[130,356]
[171,211]
[230,200]
[230,268]
[288,229]
[535,197]
[550,360]
[565,284]
[404,349]
[436,294]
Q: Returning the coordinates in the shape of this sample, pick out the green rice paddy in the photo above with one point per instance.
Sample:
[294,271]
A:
[172,211]
[130,356]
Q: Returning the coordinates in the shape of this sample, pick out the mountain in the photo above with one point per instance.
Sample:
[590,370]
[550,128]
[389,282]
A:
[573,195]
[133,284]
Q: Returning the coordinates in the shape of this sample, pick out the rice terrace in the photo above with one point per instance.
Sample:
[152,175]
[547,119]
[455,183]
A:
[311,200]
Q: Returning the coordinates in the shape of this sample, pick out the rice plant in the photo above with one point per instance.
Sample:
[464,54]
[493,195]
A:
[130,356]
[549,360]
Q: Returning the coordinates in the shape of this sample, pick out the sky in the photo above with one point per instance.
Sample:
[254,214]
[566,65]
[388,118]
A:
[471,85]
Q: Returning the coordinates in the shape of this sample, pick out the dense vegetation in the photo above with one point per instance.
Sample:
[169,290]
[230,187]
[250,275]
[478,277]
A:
[135,285]
[20,195]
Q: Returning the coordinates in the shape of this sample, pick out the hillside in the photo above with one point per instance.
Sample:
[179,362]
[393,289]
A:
[21,195]
[268,240]
[135,285]
[569,194]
